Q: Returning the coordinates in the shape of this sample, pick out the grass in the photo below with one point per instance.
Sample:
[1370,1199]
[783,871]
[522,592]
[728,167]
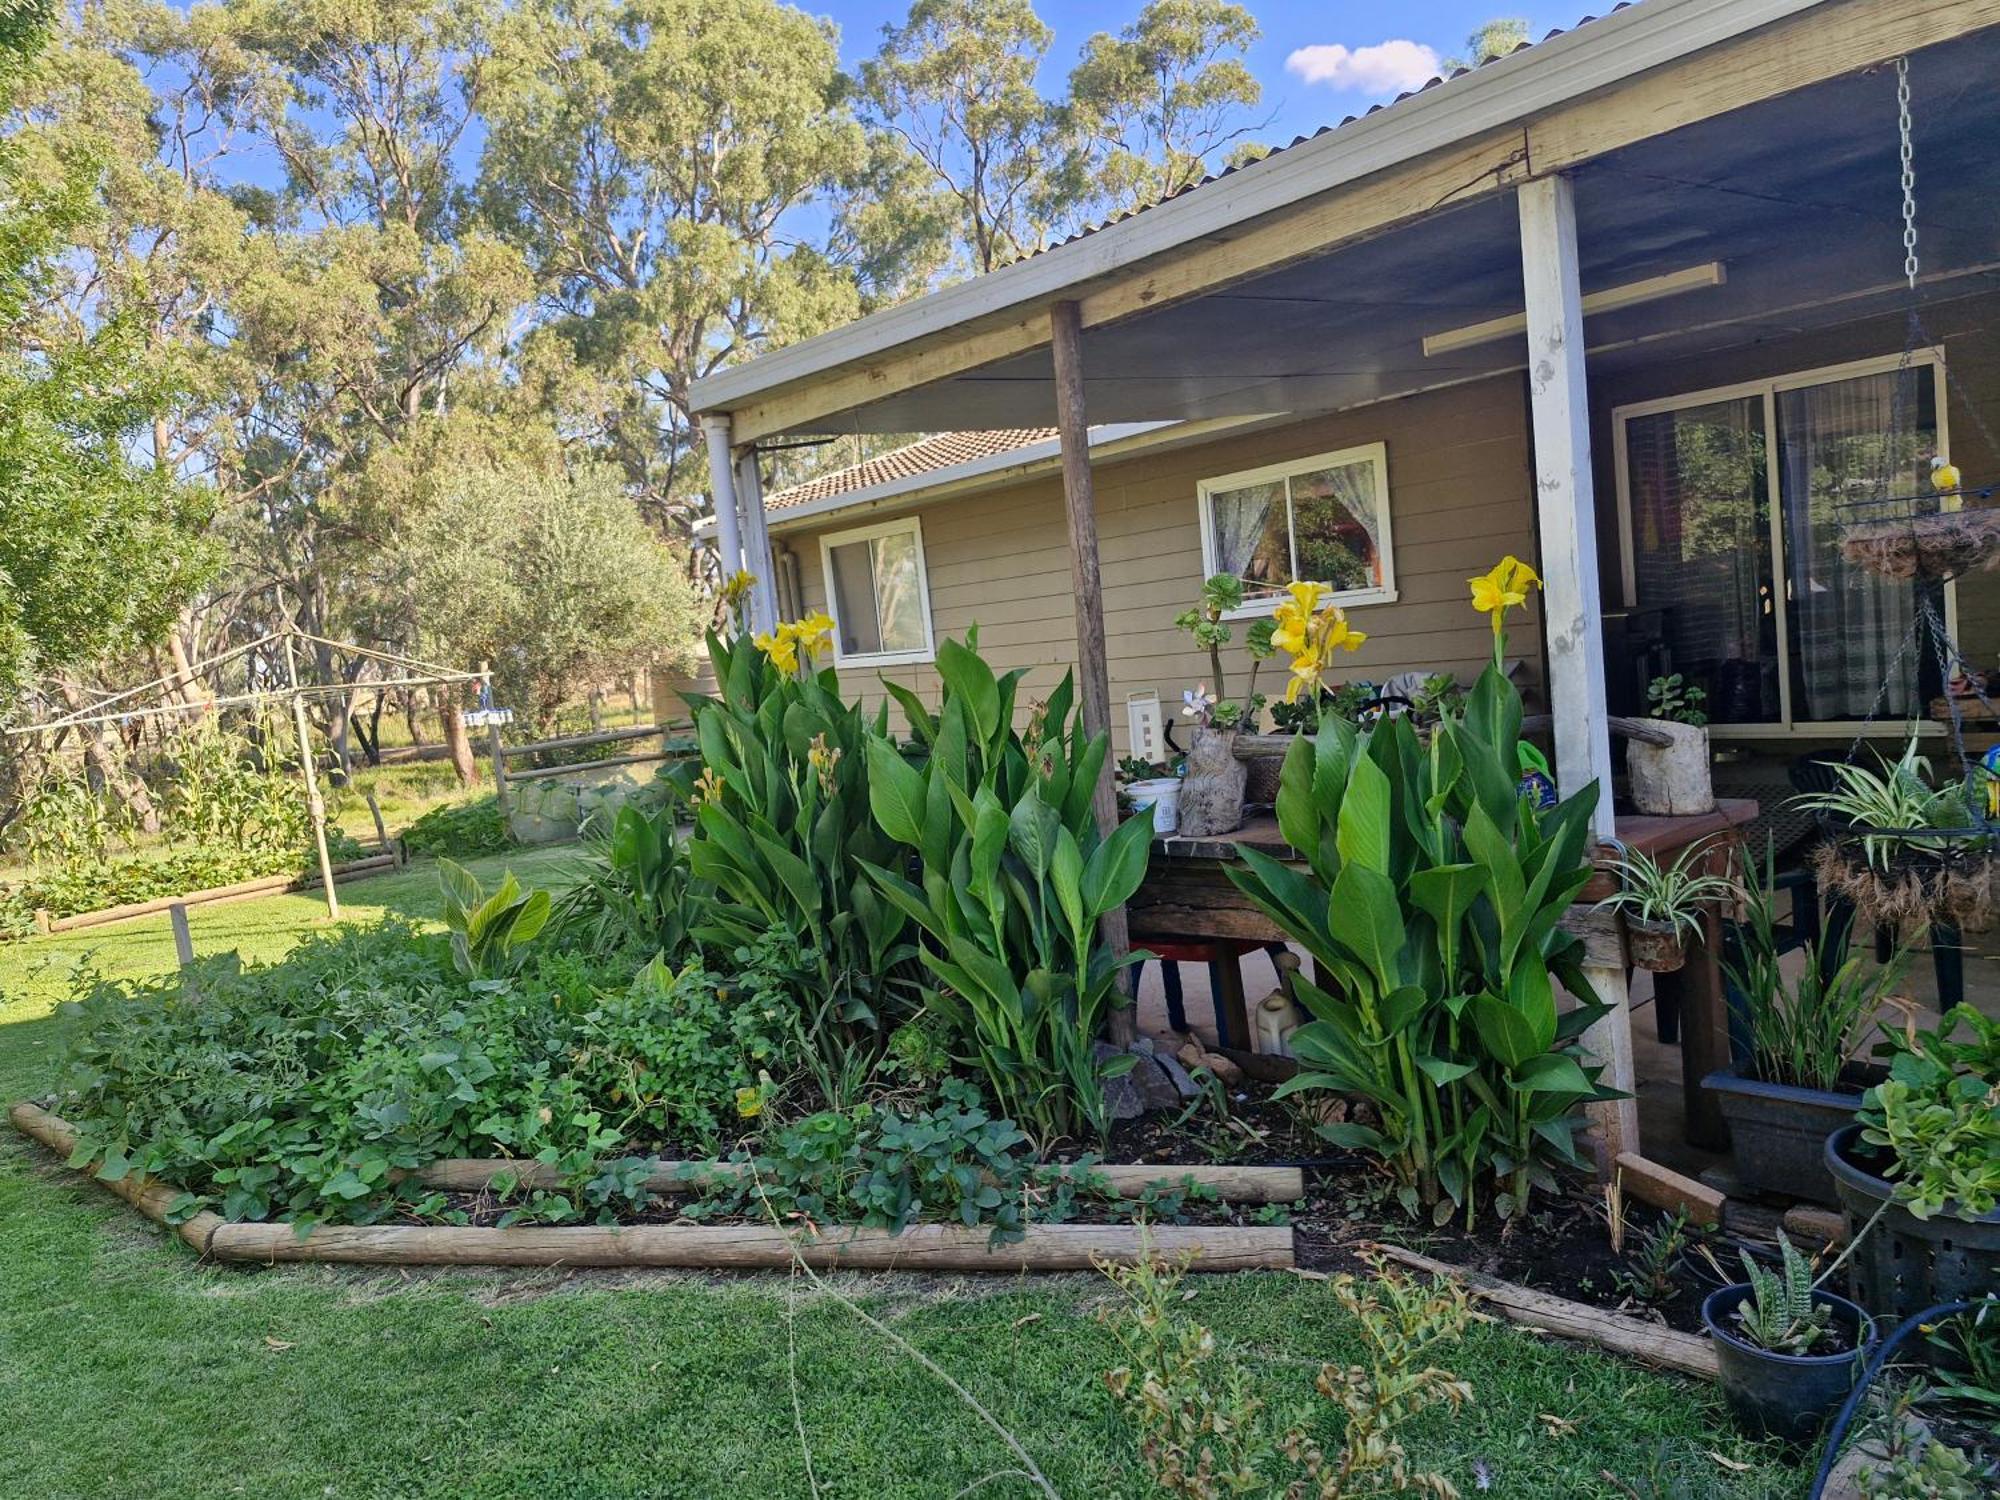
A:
[137,1372]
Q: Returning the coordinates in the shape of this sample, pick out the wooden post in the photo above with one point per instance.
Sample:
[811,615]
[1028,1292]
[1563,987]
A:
[756,543]
[722,492]
[493,750]
[177,916]
[1566,514]
[1092,674]
[315,807]
[375,812]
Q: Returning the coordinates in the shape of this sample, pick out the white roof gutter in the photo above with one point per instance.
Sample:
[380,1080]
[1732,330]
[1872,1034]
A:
[1595,56]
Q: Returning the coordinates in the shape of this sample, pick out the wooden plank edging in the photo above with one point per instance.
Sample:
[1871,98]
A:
[1232,1184]
[921,1247]
[262,885]
[1649,1343]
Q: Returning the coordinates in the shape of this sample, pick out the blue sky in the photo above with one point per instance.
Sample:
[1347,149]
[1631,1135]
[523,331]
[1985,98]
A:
[1381,42]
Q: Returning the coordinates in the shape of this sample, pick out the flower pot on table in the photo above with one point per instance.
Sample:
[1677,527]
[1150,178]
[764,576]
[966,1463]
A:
[1212,789]
[1671,780]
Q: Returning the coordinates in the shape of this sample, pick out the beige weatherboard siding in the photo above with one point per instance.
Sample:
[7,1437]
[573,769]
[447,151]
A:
[1459,498]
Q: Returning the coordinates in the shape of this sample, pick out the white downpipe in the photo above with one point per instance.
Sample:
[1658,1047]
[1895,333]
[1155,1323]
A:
[722,492]
[756,543]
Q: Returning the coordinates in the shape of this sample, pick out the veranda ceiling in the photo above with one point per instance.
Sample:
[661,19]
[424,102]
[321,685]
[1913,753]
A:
[1798,198]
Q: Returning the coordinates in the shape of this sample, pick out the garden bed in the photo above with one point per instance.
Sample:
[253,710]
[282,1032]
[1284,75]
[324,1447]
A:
[740,1246]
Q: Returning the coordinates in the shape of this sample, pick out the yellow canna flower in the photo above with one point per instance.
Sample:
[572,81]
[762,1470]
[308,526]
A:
[1502,589]
[782,648]
[1341,634]
[814,633]
[738,585]
[1306,668]
[1290,635]
[1306,594]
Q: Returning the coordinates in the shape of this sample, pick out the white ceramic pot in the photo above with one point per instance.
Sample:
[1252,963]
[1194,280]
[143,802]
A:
[1163,795]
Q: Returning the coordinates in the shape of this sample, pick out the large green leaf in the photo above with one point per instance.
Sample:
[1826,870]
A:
[895,793]
[1367,920]
[1447,892]
[1504,1032]
[1364,832]
[1031,832]
[1552,1073]
[1298,815]
[923,725]
[967,677]
[1066,873]
[1117,865]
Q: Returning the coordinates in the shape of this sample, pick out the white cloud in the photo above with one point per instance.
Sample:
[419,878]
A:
[1392,67]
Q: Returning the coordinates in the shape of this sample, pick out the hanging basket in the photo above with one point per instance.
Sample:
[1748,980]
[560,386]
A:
[1944,544]
[1657,947]
[1919,885]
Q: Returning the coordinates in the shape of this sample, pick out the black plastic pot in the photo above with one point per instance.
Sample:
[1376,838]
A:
[1778,1131]
[1904,1263]
[1786,1396]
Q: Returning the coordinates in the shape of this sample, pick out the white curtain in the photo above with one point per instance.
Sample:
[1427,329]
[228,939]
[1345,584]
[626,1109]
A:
[1840,443]
[1251,533]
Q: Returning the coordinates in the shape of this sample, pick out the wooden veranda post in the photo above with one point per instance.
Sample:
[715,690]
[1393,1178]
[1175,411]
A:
[1565,508]
[1092,676]
[722,492]
[315,806]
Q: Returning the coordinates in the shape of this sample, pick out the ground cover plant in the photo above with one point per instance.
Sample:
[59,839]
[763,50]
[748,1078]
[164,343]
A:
[460,829]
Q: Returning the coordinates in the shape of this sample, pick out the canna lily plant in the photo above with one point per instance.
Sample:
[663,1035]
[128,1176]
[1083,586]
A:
[1013,880]
[1494,593]
[1430,901]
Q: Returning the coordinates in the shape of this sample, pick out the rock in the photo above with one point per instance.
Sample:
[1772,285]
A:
[1145,1046]
[1171,1066]
[1156,1089]
[1192,1055]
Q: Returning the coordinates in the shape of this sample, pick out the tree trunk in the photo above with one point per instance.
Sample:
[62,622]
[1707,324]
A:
[190,688]
[105,761]
[456,738]
[410,720]
[370,735]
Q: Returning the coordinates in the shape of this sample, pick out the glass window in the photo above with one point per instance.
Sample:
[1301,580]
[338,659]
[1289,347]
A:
[1324,518]
[875,586]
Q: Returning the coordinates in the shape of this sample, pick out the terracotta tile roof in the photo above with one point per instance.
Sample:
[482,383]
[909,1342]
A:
[942,450]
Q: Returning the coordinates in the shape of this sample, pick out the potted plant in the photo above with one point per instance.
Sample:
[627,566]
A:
[1671,779]
[1786,1350]
[1905,852]
[1213,792]
[1661,904]
[1924,1158]
[1155,784]
[1797,1081]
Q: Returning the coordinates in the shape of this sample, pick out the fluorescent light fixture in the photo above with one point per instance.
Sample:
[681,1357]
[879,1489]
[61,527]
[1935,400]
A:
[1631,294]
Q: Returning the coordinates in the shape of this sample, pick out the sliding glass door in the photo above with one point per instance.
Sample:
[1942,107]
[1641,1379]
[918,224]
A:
[1733,504]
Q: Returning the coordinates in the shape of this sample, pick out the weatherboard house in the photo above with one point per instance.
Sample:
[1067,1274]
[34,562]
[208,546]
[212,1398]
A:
[1645,303]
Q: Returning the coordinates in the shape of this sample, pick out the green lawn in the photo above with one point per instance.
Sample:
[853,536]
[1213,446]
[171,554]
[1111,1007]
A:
[131,1371]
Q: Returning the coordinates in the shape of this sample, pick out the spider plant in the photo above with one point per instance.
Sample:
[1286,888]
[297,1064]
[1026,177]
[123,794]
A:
[1898,799]
[1668,896]
[1803,1031]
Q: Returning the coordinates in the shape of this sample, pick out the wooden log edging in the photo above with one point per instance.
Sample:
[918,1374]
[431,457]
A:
[1649,1343]
[263,885]
[921,1247]
[150,1196]
[1231,1184]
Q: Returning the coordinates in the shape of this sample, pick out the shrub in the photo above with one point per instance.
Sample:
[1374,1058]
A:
[91,885]
[1938,1114]
[461,830]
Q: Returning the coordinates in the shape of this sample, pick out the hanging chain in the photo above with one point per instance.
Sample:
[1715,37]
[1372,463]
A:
[1904,134]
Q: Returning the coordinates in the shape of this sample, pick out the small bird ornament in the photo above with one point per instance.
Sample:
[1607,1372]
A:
[1946,480]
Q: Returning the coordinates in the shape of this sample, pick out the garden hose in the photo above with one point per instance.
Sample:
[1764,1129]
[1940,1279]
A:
[1837,1434]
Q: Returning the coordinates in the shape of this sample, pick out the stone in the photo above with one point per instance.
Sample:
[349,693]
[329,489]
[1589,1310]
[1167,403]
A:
[1212,789]
[1185,1086]
[1121,1094]
[1223,1068]
[1156,1089]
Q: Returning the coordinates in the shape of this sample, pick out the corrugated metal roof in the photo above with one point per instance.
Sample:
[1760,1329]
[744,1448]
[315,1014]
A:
[1300,140]
[941,450]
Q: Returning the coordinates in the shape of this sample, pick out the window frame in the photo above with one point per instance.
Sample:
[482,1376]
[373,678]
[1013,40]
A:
[914,526]
[1376,454]
[1767,390]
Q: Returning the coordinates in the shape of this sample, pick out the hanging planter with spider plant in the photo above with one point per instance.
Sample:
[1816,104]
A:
[1662,904]
[1906,853]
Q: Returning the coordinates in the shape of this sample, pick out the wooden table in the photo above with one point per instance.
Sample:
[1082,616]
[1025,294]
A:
[1187,894]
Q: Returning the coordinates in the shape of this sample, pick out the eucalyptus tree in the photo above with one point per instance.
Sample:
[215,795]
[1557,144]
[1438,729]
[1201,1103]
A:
[657,163]
[1159,100]
[955,82]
